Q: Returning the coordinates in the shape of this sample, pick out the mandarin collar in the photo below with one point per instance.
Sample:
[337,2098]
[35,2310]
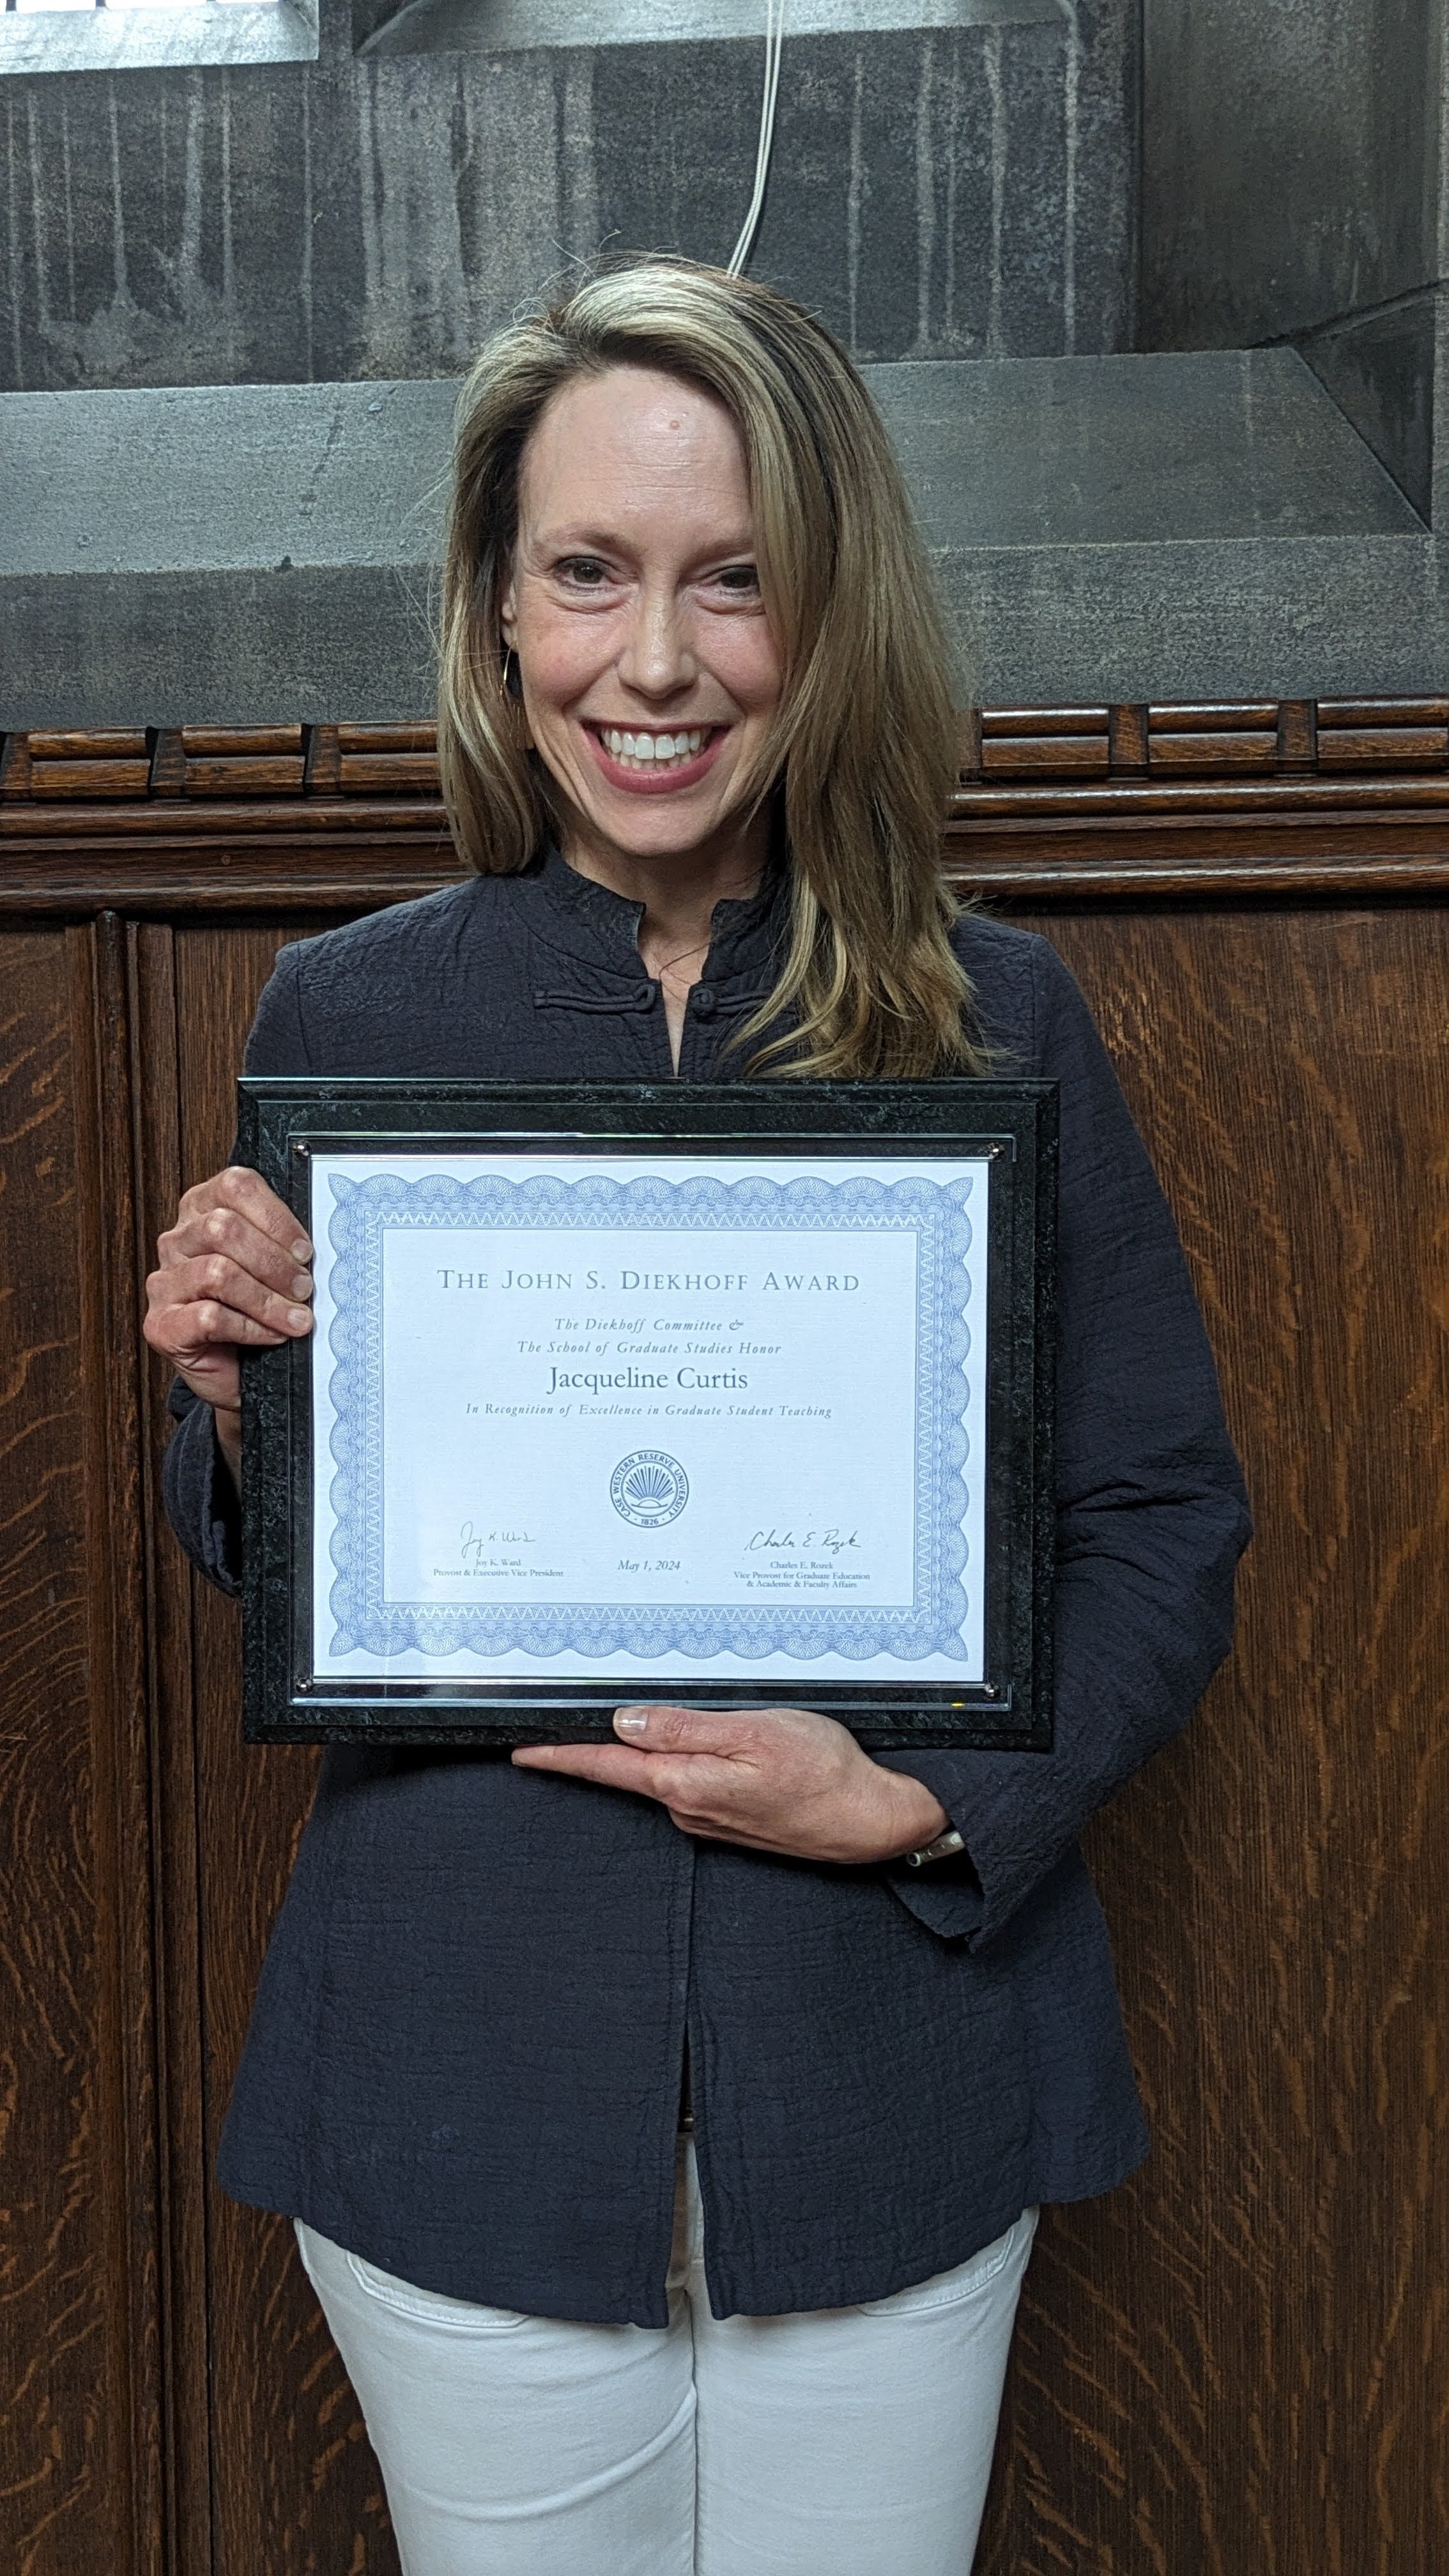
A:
[596,927]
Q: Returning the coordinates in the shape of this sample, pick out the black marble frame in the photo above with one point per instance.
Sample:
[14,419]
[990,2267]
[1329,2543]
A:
[284,1119]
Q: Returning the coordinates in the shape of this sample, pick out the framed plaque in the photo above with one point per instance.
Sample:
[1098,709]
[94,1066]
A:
[728,1395]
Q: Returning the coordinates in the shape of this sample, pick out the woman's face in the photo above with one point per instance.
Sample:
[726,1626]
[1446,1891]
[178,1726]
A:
[649,672]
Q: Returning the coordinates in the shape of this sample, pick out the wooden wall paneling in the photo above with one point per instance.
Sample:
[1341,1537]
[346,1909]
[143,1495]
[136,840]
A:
[109,1393]
[1236,2362]
[116,742]
[1298,735]
[77,2377]
[59,780]
[296,2488]
[184,2325]
[222,871]
[247,742]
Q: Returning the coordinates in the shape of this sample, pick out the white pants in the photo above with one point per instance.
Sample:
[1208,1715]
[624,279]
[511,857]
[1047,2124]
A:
[845,2442]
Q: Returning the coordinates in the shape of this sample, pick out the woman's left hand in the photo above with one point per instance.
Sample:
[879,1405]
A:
[776,1780]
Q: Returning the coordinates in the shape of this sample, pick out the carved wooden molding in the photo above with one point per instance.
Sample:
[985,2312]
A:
[1258,799]
[215,763]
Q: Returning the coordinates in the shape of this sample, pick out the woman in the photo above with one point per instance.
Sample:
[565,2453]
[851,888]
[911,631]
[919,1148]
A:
[696,743]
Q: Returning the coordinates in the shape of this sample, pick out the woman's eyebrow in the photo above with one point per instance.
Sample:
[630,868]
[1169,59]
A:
[578,541]
[737,545]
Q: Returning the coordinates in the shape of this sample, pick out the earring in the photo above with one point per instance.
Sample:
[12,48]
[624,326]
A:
[510,691]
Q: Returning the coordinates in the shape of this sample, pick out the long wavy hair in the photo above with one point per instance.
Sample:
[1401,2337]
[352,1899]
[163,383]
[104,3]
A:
[861,755]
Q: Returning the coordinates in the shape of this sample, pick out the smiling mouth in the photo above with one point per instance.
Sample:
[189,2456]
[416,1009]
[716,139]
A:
[651,754]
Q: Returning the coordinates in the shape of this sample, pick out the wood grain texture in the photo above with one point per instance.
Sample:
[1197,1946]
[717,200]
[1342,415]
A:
[1386,711]
[183,2321]
[125,1816]
[1240,2362]
[221,778]
[386,773]
[1251,715]
[1021,842]
[61,780]
[114,743]
[1001,724]
[1057,755]
[167,752]
[323,772]
[376,737]
[295,2485]
[66,2428]
[1219,753]
[1364,747]
[241,742]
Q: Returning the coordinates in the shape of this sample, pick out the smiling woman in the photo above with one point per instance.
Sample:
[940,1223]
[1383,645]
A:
[650,676]
[665,2118]
[676,511]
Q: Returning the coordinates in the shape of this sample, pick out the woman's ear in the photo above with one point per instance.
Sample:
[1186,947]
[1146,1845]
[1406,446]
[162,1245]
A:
[508,615]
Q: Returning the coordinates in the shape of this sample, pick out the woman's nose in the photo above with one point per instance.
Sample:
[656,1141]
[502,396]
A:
[657,659]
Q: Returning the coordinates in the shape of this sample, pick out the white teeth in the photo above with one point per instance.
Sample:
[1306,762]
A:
[646,749]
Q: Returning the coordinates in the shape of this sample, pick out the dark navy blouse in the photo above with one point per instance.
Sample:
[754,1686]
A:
[464,2061]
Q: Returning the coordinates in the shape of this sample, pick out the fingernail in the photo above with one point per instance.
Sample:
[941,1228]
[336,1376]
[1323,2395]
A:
[302,1250]
[301,1285]
[631,1721]
[297,1317]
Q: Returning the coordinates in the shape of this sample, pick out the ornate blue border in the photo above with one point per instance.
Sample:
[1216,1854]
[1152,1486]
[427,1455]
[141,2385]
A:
[583,1631]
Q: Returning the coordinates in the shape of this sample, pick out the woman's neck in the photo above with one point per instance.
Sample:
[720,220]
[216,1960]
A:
[679,892]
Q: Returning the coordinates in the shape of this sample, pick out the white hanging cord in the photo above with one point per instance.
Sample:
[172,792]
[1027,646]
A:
[774,37]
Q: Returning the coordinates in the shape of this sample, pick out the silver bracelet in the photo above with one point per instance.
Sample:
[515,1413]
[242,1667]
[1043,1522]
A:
[943,1848]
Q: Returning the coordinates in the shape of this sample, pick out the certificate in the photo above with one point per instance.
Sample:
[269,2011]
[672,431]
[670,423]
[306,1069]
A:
[726,1395]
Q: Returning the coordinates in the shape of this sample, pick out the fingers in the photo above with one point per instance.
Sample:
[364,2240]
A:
[238,1192]
[202,1342]
[233,1273]
[692,1730]
[673,1782]
[235,1217]
[705,1766]
[189,1335]
[606,1763]
[780,1780]
[214,1298]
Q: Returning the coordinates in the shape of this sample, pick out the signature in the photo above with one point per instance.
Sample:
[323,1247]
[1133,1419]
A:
[472,1543]
[828,1542]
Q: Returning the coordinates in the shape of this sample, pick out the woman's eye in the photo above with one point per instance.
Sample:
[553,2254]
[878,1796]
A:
[741,580]
[585,571]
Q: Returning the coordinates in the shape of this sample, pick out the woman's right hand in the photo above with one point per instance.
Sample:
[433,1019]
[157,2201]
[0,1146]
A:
[233,1269]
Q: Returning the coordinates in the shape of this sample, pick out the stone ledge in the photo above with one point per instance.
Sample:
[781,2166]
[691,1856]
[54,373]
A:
[267,550]
[166,39]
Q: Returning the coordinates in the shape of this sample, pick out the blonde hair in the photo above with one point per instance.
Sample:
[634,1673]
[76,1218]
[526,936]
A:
[862,751]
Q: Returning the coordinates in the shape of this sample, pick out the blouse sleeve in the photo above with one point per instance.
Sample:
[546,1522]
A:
[1151,1510]
[196,1487]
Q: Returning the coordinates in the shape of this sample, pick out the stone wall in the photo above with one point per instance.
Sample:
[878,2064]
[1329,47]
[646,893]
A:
[1291,189]
[1126,497]
[947,192]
